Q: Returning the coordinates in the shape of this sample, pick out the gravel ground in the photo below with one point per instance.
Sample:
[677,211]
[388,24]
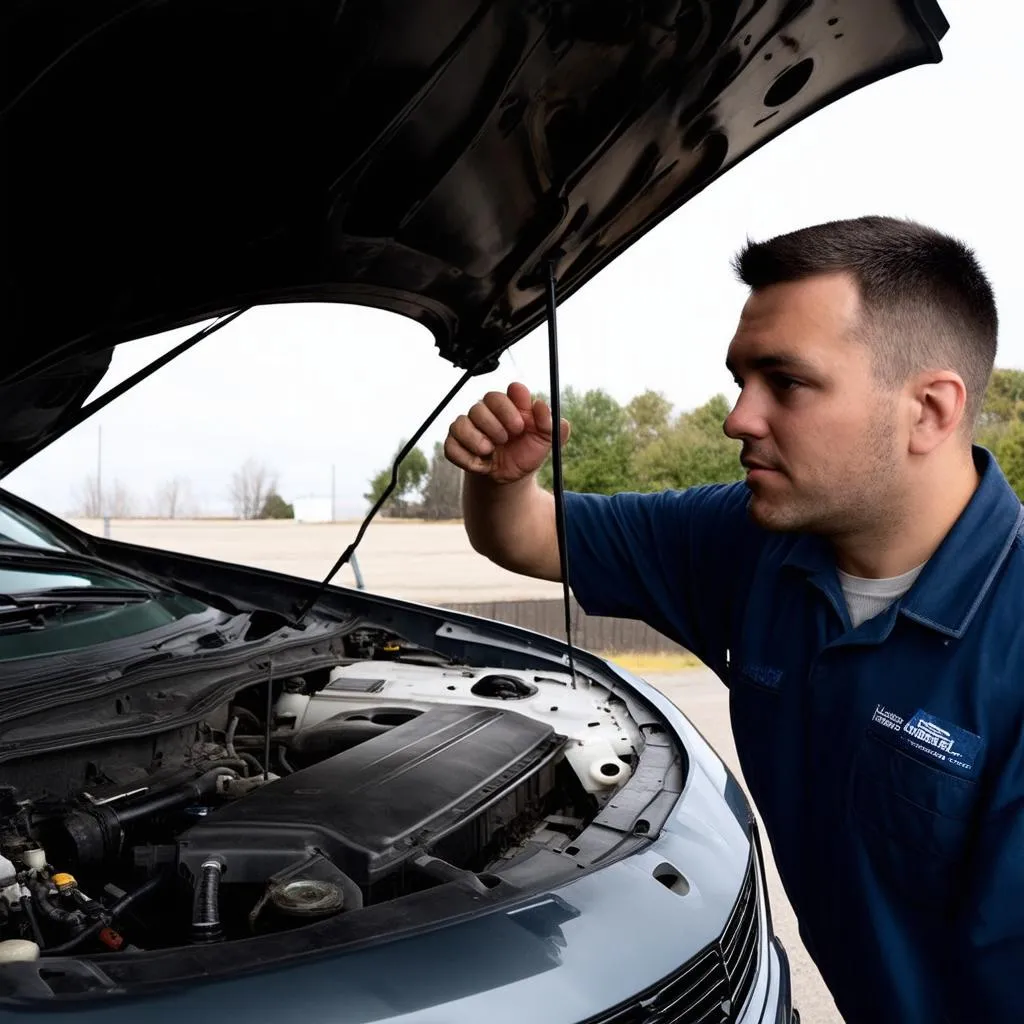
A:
[703,698]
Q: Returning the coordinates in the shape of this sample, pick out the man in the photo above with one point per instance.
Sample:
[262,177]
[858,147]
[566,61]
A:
[860,593]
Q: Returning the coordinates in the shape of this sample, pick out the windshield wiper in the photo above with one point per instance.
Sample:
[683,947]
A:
[16,547]
[19,554]
[29,610]
[76,596]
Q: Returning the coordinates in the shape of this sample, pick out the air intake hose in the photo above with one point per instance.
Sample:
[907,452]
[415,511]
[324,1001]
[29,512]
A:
[94,835]
[206,904]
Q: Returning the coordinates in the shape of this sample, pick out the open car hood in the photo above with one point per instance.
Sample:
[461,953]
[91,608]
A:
[167,161]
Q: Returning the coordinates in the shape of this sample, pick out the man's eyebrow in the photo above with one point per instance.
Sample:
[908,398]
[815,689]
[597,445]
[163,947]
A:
[777,361]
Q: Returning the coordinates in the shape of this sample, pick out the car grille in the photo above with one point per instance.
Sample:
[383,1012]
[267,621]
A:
[713,987]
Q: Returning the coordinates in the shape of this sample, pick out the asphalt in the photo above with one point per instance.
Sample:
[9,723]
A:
[703,699]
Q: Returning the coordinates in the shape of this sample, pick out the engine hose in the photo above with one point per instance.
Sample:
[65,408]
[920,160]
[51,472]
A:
[206,905]
[33,921]
[115,911]
[229,737]
[95,834]
[46,907]
[252,761]
[171,798]
[227,762]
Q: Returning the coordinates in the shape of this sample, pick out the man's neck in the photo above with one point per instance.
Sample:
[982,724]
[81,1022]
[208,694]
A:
[906,541]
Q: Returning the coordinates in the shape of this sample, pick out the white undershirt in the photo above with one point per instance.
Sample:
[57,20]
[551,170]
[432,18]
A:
[867,598]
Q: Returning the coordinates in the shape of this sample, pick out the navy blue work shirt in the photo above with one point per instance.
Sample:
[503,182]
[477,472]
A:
[887,761]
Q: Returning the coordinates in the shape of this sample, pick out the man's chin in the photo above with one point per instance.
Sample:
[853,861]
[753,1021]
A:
[773,515]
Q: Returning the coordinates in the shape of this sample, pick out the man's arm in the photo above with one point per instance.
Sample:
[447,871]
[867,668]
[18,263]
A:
[513,525]
[674,560]
[500,445]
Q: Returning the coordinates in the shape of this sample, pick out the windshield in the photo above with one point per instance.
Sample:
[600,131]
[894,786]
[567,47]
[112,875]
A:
[18,529]
[46,597]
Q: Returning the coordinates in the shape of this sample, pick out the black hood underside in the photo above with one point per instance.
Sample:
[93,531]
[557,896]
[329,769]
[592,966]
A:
[167,161]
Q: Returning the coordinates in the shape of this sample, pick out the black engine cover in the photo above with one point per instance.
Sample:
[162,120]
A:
[376,805]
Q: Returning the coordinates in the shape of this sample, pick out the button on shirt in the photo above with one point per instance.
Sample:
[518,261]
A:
[886,759]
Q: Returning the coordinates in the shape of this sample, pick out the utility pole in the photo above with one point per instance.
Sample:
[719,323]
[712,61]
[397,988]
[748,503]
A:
[99,472]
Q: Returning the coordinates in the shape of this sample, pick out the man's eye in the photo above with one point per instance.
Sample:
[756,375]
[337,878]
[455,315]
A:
[784,383]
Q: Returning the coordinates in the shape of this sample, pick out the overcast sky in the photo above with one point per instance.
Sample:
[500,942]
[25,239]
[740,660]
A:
[305,387]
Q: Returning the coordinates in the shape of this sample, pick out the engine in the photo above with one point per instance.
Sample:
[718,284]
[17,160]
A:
[372,782]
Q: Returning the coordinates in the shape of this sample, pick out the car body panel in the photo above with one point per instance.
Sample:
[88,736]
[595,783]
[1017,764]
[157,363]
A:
[566,955]
[169,162]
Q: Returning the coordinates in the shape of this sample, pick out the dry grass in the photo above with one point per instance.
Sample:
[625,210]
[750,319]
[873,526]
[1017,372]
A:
[646,663]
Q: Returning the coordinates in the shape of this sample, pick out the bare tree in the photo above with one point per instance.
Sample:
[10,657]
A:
[251,485]
[173,498]
[114,501]
[87,499]
[119,503]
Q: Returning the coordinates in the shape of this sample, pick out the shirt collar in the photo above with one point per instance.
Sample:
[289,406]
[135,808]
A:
[959,574]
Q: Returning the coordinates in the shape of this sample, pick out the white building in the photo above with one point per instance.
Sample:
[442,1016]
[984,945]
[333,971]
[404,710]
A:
[312,509]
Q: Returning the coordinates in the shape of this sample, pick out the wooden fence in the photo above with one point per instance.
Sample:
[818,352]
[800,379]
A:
[591,632]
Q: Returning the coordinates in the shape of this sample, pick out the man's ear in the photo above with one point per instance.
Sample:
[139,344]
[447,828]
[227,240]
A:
[938,406]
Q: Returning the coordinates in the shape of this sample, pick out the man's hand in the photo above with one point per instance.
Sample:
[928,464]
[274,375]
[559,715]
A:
[505,437]
[501,444]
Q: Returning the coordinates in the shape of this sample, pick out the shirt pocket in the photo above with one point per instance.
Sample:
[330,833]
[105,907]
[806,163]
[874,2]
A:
[755,704]
[914,822]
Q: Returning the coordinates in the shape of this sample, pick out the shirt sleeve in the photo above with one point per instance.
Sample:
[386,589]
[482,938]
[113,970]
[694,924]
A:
[673,559]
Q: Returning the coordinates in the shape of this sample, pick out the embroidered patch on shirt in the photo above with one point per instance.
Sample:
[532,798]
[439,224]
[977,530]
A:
[941,741]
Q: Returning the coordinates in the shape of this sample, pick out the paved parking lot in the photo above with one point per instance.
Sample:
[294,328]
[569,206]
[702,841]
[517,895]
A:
[428,562]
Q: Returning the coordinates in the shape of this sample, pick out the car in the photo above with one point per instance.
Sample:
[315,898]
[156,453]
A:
[227,791]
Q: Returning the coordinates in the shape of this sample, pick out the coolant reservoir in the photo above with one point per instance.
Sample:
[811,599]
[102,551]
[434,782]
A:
[290,708]
[34,858]
[598,766]
[17,950]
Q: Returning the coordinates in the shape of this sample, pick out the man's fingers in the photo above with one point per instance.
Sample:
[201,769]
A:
[520,396]
[488,423]
[470,437]
[459,456]
[506,412]
[542,419]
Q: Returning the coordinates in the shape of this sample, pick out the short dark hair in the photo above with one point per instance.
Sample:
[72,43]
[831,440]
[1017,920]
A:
[925,300]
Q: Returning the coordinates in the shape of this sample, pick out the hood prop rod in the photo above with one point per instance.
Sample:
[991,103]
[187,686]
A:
[347,554]
[126,385]
[558,485]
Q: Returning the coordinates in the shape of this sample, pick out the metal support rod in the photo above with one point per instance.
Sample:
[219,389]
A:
[99,471]
[269,725]
[349,552]
[119,389]
[556,459]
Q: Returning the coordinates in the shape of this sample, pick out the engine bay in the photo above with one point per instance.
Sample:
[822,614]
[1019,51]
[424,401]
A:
[304,799]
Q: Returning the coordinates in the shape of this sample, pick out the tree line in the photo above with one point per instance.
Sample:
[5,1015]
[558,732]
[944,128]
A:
[641,446]
[645,445]
[253,492]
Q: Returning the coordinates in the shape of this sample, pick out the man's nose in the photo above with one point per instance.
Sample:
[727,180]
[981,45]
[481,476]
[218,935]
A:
[746,419]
